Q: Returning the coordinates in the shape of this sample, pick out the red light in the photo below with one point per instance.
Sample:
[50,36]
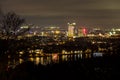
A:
[84,31]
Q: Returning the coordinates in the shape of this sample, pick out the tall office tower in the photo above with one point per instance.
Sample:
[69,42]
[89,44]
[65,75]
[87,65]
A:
[71,31]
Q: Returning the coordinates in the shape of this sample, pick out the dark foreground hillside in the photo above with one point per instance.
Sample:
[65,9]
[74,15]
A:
[83,69]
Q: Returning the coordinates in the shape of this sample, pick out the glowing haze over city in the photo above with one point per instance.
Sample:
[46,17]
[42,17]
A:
[89,13]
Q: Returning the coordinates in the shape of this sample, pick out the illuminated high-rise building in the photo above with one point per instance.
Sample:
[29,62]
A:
[71,31]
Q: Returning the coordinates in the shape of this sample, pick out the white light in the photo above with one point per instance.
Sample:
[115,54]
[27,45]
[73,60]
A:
[74,23]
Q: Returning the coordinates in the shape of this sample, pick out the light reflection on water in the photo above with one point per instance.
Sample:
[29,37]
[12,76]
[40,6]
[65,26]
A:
[48,58]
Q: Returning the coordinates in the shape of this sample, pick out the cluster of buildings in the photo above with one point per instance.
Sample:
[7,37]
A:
[72,31]
[57,32]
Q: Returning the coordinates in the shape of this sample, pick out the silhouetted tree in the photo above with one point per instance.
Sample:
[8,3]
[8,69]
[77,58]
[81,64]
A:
[10,29]
[10,25]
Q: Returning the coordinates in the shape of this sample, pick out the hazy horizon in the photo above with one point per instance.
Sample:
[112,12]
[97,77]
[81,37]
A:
[89,13]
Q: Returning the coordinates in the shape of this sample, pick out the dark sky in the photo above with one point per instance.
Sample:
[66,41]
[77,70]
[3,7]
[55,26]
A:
[59,12]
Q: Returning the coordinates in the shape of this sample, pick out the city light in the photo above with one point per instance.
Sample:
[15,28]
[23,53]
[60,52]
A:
[84,31]
[59,39]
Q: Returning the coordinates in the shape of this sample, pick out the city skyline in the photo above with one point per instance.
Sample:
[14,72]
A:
[103,13]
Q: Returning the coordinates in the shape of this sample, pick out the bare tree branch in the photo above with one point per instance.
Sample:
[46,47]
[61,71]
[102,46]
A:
[10,25]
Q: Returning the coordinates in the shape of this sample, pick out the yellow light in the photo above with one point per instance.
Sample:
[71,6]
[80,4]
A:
[57,32]
[21,52]
[37,51]
[31,59]
[20,60]
[37,60]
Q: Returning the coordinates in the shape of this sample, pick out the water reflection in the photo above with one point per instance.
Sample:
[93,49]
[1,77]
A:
[46,58]
[20,60]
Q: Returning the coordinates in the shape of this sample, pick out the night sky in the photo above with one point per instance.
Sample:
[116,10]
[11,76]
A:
[103,13]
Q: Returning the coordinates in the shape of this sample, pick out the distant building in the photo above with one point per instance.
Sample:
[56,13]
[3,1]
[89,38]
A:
[71,29]
[54,32]
[82,32]
[96,32]
[97,54]
[115,32]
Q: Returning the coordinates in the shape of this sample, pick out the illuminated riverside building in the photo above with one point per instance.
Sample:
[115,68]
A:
[71,31]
